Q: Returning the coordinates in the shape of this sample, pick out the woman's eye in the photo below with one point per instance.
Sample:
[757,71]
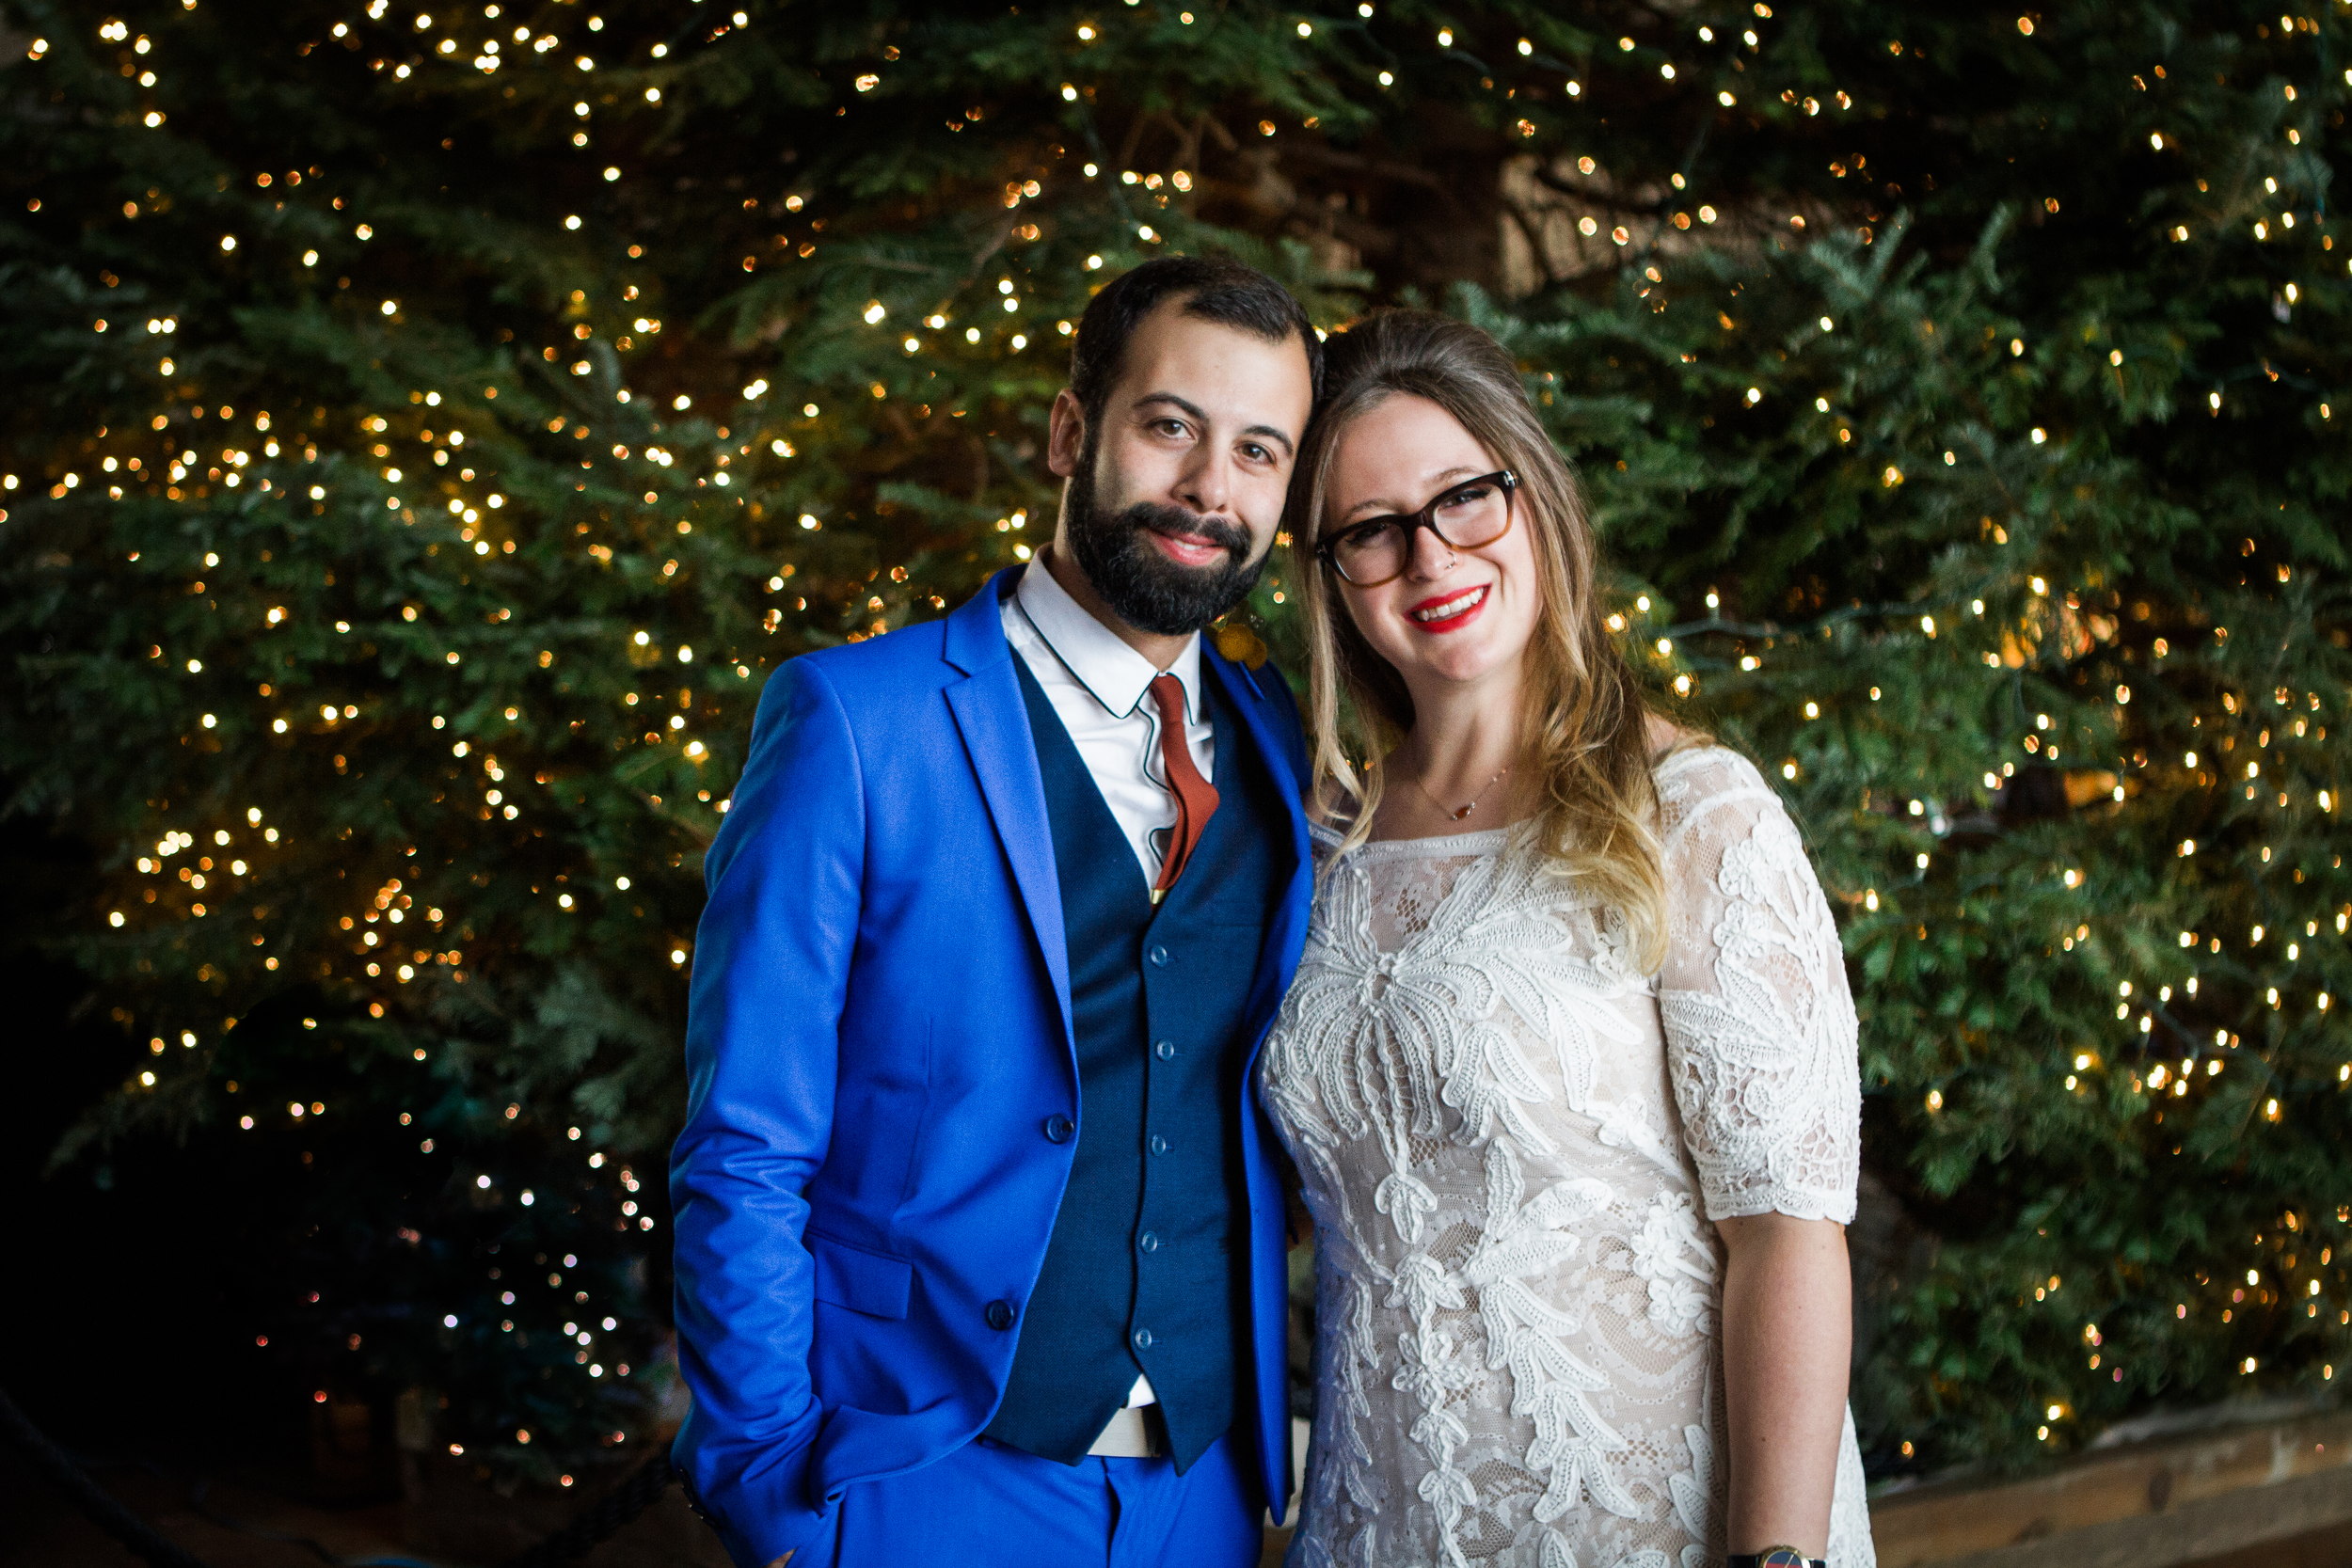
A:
[1256,453]
[1168,427]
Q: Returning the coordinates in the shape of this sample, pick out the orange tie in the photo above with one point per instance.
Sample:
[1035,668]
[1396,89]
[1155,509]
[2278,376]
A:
[1196,798]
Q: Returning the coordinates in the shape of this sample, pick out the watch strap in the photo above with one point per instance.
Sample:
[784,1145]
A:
[1773,1556]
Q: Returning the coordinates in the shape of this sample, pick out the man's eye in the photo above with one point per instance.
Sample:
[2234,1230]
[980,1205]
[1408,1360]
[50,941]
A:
[1168,427]
[1254,452]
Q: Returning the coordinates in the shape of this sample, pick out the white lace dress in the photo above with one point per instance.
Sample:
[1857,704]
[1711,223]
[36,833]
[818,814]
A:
[1512,1141]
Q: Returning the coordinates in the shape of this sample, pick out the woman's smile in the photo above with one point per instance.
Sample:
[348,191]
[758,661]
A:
[1450,611]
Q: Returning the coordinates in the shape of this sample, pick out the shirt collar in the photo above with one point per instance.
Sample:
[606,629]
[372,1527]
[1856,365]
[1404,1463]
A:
[1095,656]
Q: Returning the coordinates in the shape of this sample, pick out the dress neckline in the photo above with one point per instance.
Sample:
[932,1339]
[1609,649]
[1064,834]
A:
[1486,841]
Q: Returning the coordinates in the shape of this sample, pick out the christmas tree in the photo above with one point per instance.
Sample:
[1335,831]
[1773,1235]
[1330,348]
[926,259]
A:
[441,423]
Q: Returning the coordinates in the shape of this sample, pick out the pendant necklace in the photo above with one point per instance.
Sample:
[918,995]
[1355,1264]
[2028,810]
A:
[1458,816]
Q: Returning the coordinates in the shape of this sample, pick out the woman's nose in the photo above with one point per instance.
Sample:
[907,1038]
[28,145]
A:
[1431,555]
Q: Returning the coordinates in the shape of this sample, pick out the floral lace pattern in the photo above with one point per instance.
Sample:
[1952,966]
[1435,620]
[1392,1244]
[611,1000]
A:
[1512,1141]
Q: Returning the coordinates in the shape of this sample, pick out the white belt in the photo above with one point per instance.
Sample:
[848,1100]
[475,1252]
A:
[1135,1433]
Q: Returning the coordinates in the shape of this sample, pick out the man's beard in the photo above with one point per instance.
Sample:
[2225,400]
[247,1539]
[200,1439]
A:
[1142,586]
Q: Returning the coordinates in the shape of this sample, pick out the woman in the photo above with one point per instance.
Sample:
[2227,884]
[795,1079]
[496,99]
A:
[1569,1068]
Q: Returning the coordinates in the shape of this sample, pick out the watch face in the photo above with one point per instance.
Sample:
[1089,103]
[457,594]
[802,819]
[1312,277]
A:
[1783,1557]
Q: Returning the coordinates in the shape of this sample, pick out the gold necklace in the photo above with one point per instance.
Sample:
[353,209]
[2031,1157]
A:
[1452,813]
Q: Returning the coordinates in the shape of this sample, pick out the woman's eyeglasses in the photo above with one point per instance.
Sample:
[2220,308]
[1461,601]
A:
[1464,517]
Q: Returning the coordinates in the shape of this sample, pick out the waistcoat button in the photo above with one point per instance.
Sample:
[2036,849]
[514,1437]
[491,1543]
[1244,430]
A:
[1159,1145]
[1059,1129]
[999,1314]
[1143,1338]
[1158,956]
[1148,1241]
[1165,1051]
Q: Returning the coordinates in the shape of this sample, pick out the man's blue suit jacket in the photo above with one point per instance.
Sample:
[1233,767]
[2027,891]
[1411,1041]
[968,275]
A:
[879,1026]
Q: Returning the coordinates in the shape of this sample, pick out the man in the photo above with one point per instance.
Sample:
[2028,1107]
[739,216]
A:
[979,1240]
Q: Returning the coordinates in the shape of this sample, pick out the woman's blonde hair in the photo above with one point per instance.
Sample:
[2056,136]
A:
[1586,726]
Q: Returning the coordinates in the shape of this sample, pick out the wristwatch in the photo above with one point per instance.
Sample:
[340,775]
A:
[1773,1556]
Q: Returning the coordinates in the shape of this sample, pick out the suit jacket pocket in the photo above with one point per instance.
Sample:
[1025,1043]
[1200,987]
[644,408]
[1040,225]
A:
[873,1283]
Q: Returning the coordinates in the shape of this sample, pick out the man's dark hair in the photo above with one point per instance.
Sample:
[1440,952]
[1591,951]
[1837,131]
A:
[1213,288]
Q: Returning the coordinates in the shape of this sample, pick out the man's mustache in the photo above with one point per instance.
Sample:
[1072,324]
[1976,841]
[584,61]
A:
[1176,520]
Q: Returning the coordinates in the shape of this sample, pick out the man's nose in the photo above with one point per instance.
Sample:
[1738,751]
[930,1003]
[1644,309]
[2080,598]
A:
[1206,483]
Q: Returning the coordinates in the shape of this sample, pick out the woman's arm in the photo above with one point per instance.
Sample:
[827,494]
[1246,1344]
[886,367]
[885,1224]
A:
[1787,1333]
[1762,1043]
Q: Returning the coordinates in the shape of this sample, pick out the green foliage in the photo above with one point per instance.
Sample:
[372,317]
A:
[1912,491]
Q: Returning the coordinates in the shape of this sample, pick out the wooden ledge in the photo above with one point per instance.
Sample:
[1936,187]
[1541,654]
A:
[2156,1504]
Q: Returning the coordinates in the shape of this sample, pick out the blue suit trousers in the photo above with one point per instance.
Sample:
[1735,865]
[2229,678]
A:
[988,1506]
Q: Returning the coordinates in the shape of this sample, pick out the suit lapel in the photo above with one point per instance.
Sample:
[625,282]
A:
[995,723]
[1278,961]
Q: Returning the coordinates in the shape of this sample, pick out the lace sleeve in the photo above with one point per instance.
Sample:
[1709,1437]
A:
[1760,1030]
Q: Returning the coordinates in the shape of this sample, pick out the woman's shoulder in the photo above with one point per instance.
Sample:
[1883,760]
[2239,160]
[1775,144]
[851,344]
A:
[1695,773]
[1692,758]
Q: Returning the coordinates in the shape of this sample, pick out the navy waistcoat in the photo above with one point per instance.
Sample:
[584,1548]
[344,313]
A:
[1148,1266]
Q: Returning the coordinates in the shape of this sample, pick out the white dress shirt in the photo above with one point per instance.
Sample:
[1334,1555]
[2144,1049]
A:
[1100,689]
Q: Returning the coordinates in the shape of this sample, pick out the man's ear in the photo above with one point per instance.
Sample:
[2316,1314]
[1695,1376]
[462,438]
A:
[1066,434]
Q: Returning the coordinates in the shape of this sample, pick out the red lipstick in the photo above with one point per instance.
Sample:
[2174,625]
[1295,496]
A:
[1463,606]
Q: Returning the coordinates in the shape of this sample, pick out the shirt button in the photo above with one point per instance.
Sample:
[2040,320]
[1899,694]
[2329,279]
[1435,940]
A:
[1059,1129]
[1158,957]
[1143,1338]
[1148,1241]
[1158,1143]
[1000,1314]
[1165,1051]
